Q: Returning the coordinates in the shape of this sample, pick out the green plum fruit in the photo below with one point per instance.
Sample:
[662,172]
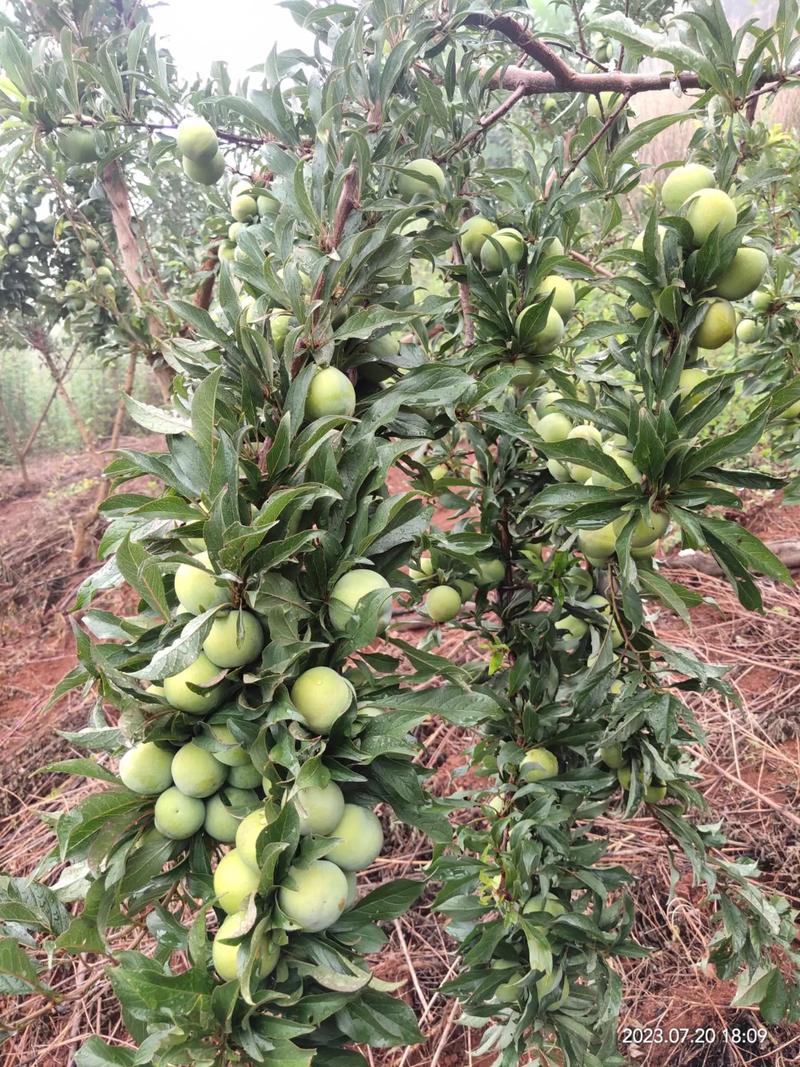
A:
[548,903]
[208,173]
[319,808]
[234,881]
[537,765]
[602,108]
[718,325]
[512,243]
[649,528]
[490,573]
[314,895]
[420,176]
[249,831]
[225,957]
[683,182]
[584,432]
[244,775]
[197,587]
[233,755]
[744,275]
[599,544]
[196,772]
[348,592]
[632,475]
[762,301]
[243,207]
[221,821]
[563,293]
[235,638]
[612,756]
[749,331]
[200,673]
[78,144]
[360,839]
[554,428]
[708,211]
[473,234]
[575,627]
[443,603]
[145,768]
[320,695]
[330,393]
[178,816]
[551,248]
[196,139]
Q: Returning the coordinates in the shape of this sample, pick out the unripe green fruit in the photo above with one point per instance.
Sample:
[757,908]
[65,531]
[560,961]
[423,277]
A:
[554,428]
[549,904]
[196,139]
[196,587]
[320,695]
[279,325]
[200,673]
[632,474]
[320,808]
[235,756]
[145,768]
[563,293]
[573,626]
[653,792]
[548,337]
[348,592]
[598,544]
[103,274]
[14,221]
[466,589]
[330,393]
[441,470]
[360,839]
[234,881]
[79,145]
[551,248]
[549,105]
[744,275]
[196,772]
[546,984]
[208,173]
[235,229]
[227,250]
[244,775]
[490,572]
[425,568]
[510,241]
[612,756]
[474,233]
[314,896]
[243,207]
[178,816]
[225,647]
[538,764]
[601,109]
[225,957]
[718,325]
[220,822]
[749,331]
[689,379]
[25,240]
[682,182]
[577,471]
[249,831]
[443,603]
[649,528]
[411,179]
[267,205]
[762,301]
[15,249]
[545,405]
[710,210]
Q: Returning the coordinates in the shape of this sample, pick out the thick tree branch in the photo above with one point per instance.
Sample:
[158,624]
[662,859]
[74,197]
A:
[525,41]
[464,301]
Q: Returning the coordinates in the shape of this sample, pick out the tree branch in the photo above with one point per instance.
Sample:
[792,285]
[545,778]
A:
[601,133]
[489,120]
[464,300]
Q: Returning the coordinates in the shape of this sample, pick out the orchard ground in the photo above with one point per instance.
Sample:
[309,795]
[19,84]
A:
[750,773]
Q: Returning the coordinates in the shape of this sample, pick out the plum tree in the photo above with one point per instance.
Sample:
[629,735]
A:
[145,768]
[360,839]
[348,592]
[443,603]
[196,772]
[682,182]
[234,882]
[196,139]
[319,808]
[537,765]
[235,638]
[221,820]
[197,588]
[321,696]
[178,816]
[330,393]
[249,830]
[710,211]
[202,673]
[420,176]
[314,896]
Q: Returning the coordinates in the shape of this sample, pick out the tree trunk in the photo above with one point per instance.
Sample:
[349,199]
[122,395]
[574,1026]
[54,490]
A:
[19,455]
[137,271]
[87,436]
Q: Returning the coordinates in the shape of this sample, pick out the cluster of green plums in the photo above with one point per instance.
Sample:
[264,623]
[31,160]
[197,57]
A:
[198,144]
[210,784]
[447,592]
[691,191]
[21,233]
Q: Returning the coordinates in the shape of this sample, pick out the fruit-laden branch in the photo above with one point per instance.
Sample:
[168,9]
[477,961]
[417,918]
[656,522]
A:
[559,76]
[136,271]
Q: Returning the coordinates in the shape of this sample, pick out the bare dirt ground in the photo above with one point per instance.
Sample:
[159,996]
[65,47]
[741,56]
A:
[749,773]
